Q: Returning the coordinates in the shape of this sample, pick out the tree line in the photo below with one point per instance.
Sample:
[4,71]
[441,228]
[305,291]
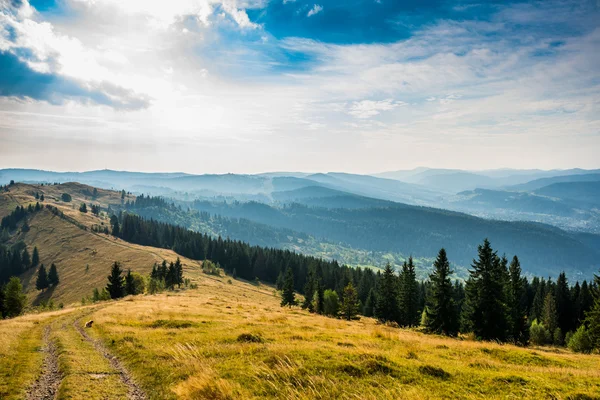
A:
[495,303]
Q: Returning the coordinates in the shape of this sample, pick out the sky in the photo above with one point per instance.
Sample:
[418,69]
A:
[248,86]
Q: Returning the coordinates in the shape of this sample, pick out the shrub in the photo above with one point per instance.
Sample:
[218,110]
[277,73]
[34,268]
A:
[580,341]
[331,303]
[156,285]
[66,197]
[538,334]
[558,337]
[250,338]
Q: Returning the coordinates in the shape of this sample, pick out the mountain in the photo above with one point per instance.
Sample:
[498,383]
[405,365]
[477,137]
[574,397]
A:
[580,192]
[540,183]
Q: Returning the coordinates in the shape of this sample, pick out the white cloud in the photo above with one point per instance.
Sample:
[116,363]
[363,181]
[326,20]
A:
[370,108]
[314,10]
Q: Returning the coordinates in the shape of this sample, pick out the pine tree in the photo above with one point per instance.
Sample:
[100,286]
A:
[42,279]
[171,278]
[319,299]
[53,275]
[369,307]
[35,258]
[592,317]
[83,208]
[486,312]
[14,298]
[279,281]
[386,307]
[288,298]
[564,304]
[349,302]
[409,307]
[441,314]
[309,291]
[538,301]
[115,285]
[178,273]
[518,302]
[549,313]
[129,283]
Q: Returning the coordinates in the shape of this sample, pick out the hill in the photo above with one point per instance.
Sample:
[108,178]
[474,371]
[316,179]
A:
[233,340]
[540,183]
[82,256]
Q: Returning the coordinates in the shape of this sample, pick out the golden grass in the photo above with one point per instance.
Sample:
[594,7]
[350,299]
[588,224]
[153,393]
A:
[197,339]
[83,258]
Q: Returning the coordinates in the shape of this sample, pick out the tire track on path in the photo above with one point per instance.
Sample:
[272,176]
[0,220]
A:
[46,386]
[134,391]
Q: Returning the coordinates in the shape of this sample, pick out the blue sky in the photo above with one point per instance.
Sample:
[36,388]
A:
[256,85]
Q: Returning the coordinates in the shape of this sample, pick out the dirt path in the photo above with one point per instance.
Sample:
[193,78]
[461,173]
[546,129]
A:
[134,392]
[46,386]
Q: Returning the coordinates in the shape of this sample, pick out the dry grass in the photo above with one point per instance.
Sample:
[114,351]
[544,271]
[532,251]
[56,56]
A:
[83,258]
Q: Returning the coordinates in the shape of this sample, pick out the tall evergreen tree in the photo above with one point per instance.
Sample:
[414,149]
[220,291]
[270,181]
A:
[53,275]
[288,297]
[485,312]
[409,307]
[592,317]
[518,302]
[115,286]
[178,272]
[35,258]
[369,306]
[537,306]
[440,311]
[319,298]
[41,282]
[349,302]
[564,304]
[386,307]
[309,291]
[549,313]
[14,298]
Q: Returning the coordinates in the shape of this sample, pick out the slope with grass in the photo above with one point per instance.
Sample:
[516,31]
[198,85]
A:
[233,340]
[82,257]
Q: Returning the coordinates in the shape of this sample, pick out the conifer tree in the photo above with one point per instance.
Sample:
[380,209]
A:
[53,275]
[2,307]
[369,306]
[14,298]
[288,297]
[386,307]
[592,317]
[35,258]
[486,312]
[83,208]
[319,299]
[518,302]
[309,291]
[42,279]
[538,301]
[178,272]
[549,314]
[564,304]
[409,307]
[349,302]
[441,314]
[115,286]
[171,278]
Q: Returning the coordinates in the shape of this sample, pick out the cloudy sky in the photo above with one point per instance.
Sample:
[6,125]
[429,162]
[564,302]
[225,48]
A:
[322,85]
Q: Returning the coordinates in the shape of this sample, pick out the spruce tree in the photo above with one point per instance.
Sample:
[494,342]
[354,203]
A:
[386,307]
[592,317]
[115,286]
[35,258]
[486,311]
[42,279]
[279,281]
[178,272]
[309,291]
[349,302]
[549,313]
[319,299]
[564,304]
[409,307]
[441,314]
[288,297]
[53,275]
[14,298]
[518,302]
[171,278]
[369,306]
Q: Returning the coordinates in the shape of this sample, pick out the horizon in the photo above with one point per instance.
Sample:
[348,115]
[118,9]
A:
[220,86]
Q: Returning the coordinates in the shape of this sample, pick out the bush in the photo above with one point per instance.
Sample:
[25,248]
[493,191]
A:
[156,285]
[66,197]
[558,337]
[250,338]
[538,334]
[580,342]
[331,303]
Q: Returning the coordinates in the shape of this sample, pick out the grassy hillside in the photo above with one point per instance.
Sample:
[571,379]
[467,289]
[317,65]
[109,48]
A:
[233,340]
[83,257]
